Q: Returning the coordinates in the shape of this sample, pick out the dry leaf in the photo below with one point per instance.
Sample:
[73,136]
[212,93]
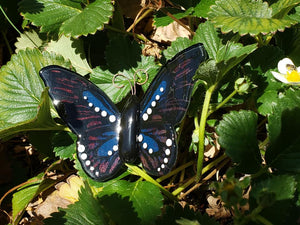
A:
[170,33]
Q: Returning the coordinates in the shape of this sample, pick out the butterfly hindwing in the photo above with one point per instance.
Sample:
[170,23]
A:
[91,115]
[157,146]
[163,107]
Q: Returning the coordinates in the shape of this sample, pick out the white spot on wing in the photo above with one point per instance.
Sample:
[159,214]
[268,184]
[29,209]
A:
[145,116]
[150,150]
[81,148]
[87,162]
[92,168]
[90,104]
[140,138]
[83,156]
[166,160]
[97,109]
[104,113]
[115,147]
[149,111]
[167,151]
[109,152]
[112,118]
[161,89]
[157,97]
[145,145]
[153,103]
[169,142]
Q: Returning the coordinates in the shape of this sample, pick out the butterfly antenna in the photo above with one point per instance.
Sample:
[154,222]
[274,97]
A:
[132,88]
[139,83]
[146,79]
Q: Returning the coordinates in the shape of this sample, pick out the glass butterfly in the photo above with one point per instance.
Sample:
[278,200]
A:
[108,138]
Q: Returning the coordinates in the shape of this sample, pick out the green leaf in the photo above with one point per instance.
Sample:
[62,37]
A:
[246,17]
[71,49]
[173,213]
[67,17]
[21,104]
[281,8]
[281,187]
[207,34]
[202,8]
[27,193]
[232,54]
[49,14]
[120,210]
[284,134]
[121,86]
[122,53]
[64,144]
[161,19]
[87,210]
[295,16]
[23,197]
[183,221]
[89,20]
[208,72]
[269,91]
[297,178]
[145,197]
[42,121]
[28,39]
[237,134]
[226,56]
[176,46]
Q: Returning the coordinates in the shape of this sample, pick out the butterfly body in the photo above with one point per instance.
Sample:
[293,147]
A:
[129,130]
[144,130]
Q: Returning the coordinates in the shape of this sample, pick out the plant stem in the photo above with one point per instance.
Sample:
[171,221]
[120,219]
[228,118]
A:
[222,103]
[11,23]
[173,172]
[7,43]
[137,171]
[141,37]
[204,170]
[201,130]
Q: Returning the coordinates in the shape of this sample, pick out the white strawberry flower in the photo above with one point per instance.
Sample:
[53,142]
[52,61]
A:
[288,72]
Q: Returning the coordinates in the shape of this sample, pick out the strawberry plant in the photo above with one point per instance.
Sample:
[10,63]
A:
[238,146]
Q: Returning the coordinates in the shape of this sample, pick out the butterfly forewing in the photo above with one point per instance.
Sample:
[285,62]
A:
[91,115]
[166,102]
[168,96]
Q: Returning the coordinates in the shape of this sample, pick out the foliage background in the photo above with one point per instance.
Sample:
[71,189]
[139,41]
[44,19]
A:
[247,119]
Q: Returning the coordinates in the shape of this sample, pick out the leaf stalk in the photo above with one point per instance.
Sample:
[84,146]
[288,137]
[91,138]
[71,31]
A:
[201,131]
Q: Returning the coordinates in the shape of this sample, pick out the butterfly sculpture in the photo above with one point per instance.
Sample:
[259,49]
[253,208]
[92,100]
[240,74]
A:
[108,138]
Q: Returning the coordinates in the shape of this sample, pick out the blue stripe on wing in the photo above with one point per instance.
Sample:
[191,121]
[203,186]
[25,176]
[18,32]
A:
[154,98]
[109,147]
[102,105]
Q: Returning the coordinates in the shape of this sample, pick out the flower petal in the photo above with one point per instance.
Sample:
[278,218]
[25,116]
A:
[280,77]
[282,65]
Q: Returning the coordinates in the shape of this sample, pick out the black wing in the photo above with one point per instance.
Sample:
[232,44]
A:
[163,107]
[91,115]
